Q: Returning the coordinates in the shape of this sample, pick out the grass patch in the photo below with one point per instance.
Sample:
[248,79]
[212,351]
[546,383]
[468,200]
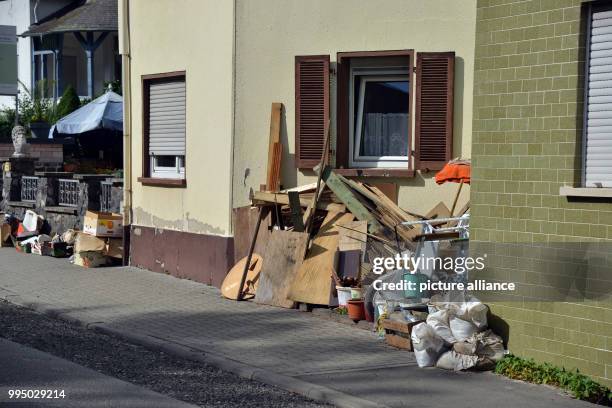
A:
[579,385]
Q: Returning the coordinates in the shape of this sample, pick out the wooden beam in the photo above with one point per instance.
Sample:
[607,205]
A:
[274,148]
[353,204]
[296,211]
[266,198]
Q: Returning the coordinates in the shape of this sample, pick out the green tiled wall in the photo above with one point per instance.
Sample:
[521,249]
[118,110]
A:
[526,144]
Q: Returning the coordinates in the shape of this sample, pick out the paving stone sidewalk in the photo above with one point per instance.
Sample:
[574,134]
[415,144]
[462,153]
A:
[285,342]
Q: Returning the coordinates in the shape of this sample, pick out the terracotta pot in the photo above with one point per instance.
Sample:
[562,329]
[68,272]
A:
[356,311]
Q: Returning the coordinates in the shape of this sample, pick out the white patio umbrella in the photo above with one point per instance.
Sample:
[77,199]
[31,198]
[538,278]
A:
[104,112]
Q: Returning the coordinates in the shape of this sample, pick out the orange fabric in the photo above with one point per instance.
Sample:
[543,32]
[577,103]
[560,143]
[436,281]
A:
[454,172]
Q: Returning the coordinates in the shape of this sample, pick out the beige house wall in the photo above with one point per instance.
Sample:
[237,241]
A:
[195,36]
[270,33]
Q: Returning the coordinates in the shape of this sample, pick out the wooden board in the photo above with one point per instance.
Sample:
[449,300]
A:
[284,255]
[274,148]
[261,197]
[439,211]
[353,236]
[244,221]
[388,189]
[229,287]
[274,172]
[342,191]
[313,283]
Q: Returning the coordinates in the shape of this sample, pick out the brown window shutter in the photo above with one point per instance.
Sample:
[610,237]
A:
[311,108]
[434,109]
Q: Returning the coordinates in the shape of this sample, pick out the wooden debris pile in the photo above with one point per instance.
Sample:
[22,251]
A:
[311,244]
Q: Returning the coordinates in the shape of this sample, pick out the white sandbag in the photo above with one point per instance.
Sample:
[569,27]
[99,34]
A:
[489,345]
[427,345]
[461,329]
[452,360]
[477,313]
[439,322]
[463,347]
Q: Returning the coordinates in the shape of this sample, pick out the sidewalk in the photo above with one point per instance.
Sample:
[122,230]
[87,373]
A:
[287,348]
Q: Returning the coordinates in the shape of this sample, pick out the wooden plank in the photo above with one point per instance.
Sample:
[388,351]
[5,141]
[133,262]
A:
[388,189]
[398,341]
[439,211]
[313,283]
[274,148]
[262,197]
[273,180]
[397,326]
[310,210]
[284,255]
[353,236]
[296,211]
[244,222]
[301,189]
[345,195]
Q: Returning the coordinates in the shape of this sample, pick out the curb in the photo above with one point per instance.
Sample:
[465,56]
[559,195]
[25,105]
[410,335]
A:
[313,391]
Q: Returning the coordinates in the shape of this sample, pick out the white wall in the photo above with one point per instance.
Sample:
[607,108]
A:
[17,13]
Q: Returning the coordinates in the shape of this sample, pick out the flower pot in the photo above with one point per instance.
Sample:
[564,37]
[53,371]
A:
[356,311]
[344,295]
[40,130]
[356,294]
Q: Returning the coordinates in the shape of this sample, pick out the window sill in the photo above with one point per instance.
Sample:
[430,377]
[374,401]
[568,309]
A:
[58,209]
[375,172]
[21,204]
[162,182]
[594,192]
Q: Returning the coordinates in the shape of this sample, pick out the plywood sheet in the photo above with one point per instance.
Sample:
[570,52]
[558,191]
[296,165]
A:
[353,236]
[313,283]
[283,257]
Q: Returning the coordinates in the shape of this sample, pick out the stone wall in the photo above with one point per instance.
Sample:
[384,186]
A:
[60,217]
[527,137]
[49,156]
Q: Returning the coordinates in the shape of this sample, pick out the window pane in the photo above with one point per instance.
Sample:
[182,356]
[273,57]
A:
[384,129]
[165,161]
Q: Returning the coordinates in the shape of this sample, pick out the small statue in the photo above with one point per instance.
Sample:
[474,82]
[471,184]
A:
[20,143]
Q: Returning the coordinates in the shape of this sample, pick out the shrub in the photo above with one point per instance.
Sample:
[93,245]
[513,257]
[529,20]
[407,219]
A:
[69,103]
[581,386]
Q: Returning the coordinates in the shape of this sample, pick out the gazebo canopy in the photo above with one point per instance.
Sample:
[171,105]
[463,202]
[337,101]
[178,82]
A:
[83,15]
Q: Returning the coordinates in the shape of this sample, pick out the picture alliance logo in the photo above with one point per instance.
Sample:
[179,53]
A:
[413,264]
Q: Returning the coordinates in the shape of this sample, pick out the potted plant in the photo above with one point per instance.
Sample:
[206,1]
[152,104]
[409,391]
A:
[42,112]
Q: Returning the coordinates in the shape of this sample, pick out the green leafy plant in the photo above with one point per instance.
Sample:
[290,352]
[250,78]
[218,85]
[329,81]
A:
[578,384]
[69,103]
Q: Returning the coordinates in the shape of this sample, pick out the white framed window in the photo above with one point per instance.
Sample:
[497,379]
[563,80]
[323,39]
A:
[379,117]
[172,167]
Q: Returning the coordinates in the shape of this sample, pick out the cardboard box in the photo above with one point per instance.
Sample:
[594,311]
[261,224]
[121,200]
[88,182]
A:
[102,224]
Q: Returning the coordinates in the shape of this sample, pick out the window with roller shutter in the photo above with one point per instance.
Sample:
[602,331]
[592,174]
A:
[597,140]
[164,126]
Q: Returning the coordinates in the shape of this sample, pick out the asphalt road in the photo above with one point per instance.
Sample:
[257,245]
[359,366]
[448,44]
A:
[49,381]
[105,371]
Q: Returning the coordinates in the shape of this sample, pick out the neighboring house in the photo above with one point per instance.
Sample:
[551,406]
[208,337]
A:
[203,75]
[64,42]
[540,150]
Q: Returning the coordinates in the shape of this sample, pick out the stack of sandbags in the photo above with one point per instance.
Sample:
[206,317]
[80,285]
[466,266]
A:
[454,337]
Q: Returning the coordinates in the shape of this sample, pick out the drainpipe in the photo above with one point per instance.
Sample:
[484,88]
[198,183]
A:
[124,50]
